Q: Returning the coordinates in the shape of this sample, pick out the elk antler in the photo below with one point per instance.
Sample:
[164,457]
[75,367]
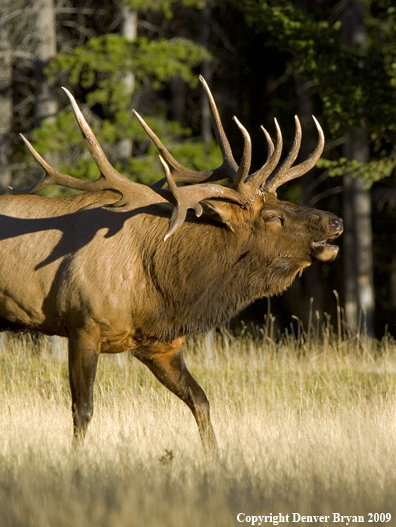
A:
[182,174]
[190,197]
[247,187]
[228,169]
[285,172]
[109,178]
[243,190]
[258,178]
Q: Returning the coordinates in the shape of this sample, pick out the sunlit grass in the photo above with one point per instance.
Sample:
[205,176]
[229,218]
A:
[306,424]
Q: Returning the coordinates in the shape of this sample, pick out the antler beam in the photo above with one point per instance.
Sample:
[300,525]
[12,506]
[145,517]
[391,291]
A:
[109,179]
[189,197]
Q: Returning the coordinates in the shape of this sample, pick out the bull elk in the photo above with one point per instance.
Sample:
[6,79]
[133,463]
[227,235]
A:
[114,270]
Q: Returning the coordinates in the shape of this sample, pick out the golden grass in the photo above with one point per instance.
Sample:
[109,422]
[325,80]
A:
[304,425]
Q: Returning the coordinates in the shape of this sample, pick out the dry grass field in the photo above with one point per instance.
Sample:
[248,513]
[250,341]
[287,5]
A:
[306,425]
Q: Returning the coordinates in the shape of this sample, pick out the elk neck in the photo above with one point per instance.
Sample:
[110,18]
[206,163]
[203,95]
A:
[204,275]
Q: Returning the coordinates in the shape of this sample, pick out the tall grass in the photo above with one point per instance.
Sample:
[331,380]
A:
[305,424]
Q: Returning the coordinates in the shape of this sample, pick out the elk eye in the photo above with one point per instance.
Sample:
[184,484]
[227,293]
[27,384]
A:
[270,216]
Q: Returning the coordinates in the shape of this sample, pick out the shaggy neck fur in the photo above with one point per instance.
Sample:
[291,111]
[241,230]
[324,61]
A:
[210,275]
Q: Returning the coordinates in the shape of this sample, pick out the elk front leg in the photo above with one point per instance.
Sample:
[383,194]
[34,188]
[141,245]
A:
[170,369]
[83,360]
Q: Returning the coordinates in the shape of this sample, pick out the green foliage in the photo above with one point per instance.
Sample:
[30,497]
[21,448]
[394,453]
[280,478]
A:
[355,84]
[165,6]
[372,171]
[103,62]
[164,59]
[99,69]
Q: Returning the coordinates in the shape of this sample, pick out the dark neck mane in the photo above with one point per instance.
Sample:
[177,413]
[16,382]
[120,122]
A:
[224,276]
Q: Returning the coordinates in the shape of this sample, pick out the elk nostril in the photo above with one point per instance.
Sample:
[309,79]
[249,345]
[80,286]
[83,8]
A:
[336,224]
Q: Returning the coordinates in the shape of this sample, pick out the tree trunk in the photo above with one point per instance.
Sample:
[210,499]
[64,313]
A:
[206,128]
[129,31]
[358,257]
[350,285]
[393,281]
[45,37]
[5,98]
[178,87]
[311,279]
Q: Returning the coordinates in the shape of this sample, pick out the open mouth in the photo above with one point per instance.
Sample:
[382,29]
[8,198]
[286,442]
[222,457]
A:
[323,250]
[325,242]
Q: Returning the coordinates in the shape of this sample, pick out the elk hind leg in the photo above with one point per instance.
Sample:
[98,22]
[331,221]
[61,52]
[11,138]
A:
[170,369]
[83,360]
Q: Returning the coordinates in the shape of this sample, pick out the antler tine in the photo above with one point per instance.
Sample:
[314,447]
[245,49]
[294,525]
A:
[53,177]
[270,144]
[181,174]
[244,167]
[275,180]
[180,211]
[228,158]
[301,168]
[110,178]
[258,178]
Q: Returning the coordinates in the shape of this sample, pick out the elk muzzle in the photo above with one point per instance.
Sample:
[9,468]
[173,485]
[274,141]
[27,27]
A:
[323,250]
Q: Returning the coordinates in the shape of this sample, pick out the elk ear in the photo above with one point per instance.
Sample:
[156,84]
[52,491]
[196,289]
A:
[222,211]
